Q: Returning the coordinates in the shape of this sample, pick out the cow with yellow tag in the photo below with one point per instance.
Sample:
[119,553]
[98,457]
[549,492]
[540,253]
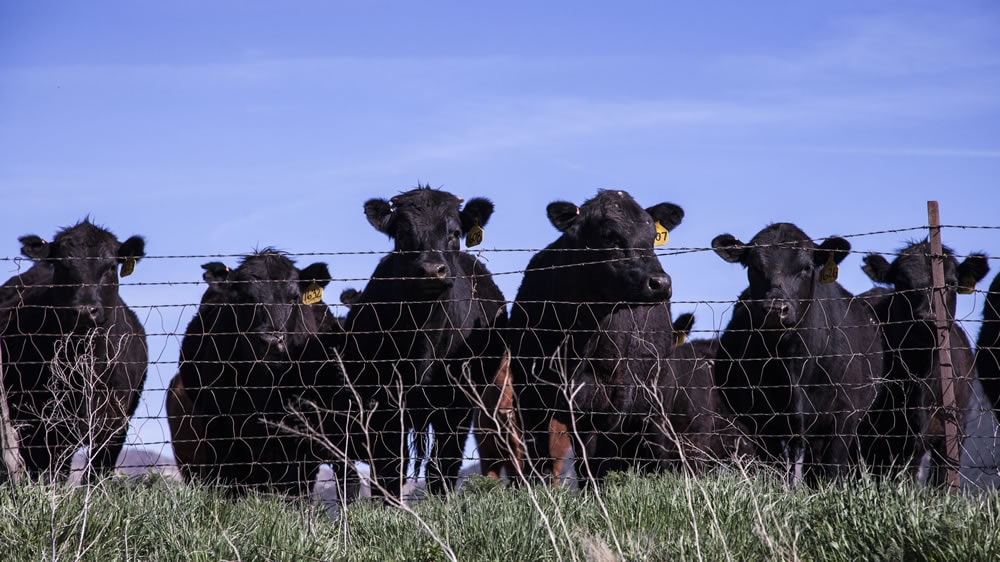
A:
[912,411]
[68,303]
[799,361]
[592,345]
[421,340]
[254,350]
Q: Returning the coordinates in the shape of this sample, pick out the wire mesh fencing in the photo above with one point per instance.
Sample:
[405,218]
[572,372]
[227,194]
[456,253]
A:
[256,379]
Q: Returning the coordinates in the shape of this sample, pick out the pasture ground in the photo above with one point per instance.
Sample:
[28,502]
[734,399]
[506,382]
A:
[736,516]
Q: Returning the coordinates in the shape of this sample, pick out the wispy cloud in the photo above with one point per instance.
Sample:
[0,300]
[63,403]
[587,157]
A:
[884,46]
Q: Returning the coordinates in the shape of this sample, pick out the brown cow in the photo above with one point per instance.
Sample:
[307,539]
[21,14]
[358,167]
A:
[498,435]
[186,429]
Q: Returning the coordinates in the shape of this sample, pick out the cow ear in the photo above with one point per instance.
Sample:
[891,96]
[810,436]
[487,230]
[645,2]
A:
[971,271]
[379,214]
[682,328]
[350,297]
[215,272]
[729,248]
[667,214]
[134,248]
[684,322]
[877,268]
[317,273]
[835,248]
[562,214]
[477,212]
[34,247]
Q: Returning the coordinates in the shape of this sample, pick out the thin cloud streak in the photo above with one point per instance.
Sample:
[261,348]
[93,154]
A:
[883,46]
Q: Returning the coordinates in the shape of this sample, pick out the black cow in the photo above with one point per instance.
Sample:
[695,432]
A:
[590,337]
[256,349]
[420,337]
[910,418]
[74,355]
[988,347]
[798,361]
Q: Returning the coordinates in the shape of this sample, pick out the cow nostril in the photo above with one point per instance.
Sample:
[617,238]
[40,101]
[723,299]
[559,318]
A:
[660,285]
[88,310]
[442,271]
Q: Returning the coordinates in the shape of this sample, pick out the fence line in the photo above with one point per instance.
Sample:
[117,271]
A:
[676,304]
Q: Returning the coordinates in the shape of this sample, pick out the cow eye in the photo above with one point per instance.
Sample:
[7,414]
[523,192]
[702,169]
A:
[611,239]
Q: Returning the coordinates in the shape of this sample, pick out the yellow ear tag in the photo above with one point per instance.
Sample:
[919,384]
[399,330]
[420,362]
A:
[966,286]
[829,272]
[128,267]
[474,237]
[313,294]
[679,339]
[662,236]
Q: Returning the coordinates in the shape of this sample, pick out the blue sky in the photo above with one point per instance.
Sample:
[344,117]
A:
[213,128]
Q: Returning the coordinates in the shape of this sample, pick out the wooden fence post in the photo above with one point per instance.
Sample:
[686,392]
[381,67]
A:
[950,409]
[9,443]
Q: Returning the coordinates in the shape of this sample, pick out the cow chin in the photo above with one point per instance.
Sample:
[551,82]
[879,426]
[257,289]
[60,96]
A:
[81,324]
[433,287]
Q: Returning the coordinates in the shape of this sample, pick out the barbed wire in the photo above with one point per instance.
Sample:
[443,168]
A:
[609,388]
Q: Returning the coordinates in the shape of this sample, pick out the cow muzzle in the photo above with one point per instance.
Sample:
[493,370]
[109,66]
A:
[778,312]
[88,316]
[435,276]
[659,286]
[275,341]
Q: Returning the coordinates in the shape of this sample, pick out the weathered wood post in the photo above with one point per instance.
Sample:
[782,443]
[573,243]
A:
[9,442]
[949,411]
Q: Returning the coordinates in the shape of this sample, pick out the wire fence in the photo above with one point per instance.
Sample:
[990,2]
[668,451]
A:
[260,384]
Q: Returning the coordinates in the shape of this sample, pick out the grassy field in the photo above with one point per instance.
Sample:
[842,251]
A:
[668,517]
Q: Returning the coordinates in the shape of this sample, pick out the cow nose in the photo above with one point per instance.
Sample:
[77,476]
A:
[781,309]
[89,311]
[660,286]
[435,270]
[275,339]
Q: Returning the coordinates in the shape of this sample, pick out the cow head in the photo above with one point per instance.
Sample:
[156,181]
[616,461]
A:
[84,259]
[614,236]
[782,266]
[425,224]
[265,296]
[910,276]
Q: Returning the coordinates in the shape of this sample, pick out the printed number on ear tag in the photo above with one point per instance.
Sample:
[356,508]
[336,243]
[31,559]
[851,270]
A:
[313,294]
[662,236]
[474,236]
[829,272]
[128,267]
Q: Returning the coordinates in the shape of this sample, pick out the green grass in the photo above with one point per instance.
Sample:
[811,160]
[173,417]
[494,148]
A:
[668,517]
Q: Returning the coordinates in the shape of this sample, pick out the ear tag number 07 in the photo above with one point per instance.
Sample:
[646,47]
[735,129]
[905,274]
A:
[474,237]
[662,236]
[313,294]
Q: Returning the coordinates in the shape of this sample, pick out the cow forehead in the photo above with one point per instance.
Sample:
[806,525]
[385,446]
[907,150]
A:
[426,201]
[268,265]
[780,246]
[914,264]
[615,206]
[86,240]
